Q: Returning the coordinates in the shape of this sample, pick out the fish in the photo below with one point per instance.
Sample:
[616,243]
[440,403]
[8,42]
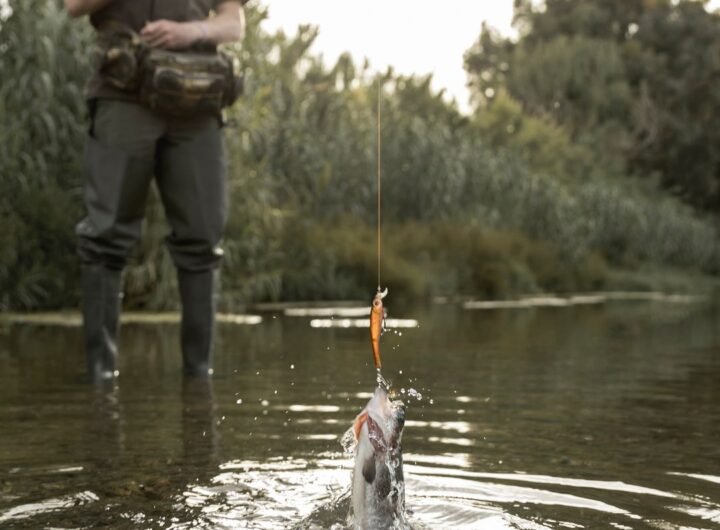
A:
[378,483]
[377,316]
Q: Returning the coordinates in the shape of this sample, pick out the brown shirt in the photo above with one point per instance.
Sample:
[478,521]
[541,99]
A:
[135,14]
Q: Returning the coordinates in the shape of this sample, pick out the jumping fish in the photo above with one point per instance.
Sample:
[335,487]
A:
[378,487]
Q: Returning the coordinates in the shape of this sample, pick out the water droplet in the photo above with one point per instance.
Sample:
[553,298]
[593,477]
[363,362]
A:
[264,402]
[292,367]
[239,401]
[414,393]
[275,392]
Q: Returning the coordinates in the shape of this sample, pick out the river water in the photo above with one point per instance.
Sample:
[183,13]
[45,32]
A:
[602,415]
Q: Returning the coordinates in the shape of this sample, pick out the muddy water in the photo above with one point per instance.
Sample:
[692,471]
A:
[589,416]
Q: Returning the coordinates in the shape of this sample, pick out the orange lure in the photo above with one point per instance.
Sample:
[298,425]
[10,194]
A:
[377,315]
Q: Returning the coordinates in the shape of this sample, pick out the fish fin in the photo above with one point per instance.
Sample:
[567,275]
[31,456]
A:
[384,481]
[359,422]
[376,435]
[368,470]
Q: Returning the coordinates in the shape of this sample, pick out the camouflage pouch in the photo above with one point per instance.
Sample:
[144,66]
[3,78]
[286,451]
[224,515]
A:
[181,84]
[117,57]
[186,84]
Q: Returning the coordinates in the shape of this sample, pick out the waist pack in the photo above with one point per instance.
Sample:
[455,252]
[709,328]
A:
[181,84]
[188,84]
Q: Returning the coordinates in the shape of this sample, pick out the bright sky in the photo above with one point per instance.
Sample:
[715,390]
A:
[412,36]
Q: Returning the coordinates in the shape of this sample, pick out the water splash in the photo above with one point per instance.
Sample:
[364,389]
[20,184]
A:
[382,382]
[348,441]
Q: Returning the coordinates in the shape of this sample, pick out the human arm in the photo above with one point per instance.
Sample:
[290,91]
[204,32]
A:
[227,25]
[78,8]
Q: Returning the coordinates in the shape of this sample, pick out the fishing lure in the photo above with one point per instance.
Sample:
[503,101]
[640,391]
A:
[377,319]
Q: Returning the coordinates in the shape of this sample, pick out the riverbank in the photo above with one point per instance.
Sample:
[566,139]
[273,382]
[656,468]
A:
[356,310]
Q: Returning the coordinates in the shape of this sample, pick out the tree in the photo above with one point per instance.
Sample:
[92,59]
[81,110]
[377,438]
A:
[635,79]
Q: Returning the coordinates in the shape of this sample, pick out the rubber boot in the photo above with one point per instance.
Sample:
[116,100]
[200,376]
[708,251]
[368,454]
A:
[197,294]
[102,297]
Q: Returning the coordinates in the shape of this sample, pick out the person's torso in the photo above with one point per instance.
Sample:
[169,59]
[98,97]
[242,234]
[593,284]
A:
[136,13]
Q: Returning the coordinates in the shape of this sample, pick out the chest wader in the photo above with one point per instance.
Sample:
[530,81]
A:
[128,145]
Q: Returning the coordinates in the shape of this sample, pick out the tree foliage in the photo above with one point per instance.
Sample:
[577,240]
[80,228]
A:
[635,79]
[43,66]
[516,198]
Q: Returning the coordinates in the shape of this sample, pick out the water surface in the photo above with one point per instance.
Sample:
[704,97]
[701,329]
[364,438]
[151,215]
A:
[587,416]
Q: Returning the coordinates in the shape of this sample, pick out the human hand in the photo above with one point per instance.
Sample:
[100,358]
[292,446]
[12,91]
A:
[170,35]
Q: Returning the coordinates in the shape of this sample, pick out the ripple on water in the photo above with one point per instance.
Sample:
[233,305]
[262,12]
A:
[442,492]
[281,492]
[47,506]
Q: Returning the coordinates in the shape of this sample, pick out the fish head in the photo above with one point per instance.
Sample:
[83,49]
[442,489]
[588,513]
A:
[386,417]
[383,420]
[378,490]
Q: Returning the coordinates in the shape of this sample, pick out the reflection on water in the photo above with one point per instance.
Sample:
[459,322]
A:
[591,416]
[390,323]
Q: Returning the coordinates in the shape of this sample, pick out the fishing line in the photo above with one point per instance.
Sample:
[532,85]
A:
[377,311]
[379,191]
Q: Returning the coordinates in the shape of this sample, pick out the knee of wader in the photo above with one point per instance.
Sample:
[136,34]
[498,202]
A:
[94,252]
[195,256]
[108,246]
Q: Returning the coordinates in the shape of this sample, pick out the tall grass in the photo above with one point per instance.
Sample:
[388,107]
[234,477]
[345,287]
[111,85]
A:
[43,64]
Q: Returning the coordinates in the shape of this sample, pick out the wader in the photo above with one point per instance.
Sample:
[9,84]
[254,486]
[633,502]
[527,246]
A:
[127,145]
